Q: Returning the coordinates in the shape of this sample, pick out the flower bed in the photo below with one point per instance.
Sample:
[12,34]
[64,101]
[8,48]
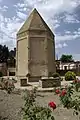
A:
[70,96]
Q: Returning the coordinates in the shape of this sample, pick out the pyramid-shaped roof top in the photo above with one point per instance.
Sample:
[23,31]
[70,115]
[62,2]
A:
[34,22]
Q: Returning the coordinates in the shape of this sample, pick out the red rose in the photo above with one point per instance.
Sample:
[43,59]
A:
[57,91]
[63,93]
[52,105]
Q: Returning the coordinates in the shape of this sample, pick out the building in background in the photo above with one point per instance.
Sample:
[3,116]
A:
[63,67]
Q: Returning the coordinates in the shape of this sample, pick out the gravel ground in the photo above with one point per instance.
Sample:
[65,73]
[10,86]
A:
[10,105]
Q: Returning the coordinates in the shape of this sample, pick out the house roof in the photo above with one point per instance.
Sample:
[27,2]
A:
[34,22]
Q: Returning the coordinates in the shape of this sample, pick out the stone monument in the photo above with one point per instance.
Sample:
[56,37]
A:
[35,50]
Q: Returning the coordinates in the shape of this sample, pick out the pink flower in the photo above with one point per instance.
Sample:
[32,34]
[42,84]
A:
[52,105]
[63,93]
[57,91]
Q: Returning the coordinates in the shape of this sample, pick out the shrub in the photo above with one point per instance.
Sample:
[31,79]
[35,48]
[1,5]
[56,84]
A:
[70,76]
[55,75]
[7,85]
[32,111]
[1,74]
[70,99]
[76,83]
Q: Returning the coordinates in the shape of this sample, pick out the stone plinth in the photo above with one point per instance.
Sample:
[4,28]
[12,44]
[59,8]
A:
[50,82]
[34,79]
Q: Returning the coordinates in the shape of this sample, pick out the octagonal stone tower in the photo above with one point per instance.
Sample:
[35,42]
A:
[35,53]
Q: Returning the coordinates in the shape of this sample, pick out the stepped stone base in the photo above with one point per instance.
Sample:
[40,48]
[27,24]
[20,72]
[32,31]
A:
[50,82]
[34,79]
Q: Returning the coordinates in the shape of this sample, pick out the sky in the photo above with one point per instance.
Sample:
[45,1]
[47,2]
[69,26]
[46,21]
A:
[62,16]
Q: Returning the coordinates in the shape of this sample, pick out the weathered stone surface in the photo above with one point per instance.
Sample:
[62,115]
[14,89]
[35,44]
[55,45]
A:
[23,82]
[34,79]
[35,53]
[50,82]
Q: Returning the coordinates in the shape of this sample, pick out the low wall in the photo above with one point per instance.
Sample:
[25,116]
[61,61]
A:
[34,79]
[50,82]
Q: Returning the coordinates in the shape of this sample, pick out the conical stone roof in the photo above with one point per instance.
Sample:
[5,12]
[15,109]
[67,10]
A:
[34,22]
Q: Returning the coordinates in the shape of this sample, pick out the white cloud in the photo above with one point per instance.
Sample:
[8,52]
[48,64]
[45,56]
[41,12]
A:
[65,45]
[67,32]
[58,46]
[53,6]
[47,8]
[20,5]
[50,8]
[21,15]
[8,30]
[3,9]
[66,37]
[61,45]
[71,19]
[56,26]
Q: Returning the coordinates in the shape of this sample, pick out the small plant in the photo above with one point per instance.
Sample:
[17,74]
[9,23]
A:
[70,99]
[76,84]
[7,85]
[70,76]
[55,75]
[32,111]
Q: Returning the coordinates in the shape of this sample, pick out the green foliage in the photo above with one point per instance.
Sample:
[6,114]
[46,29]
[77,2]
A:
[76,84]
[70,76]
[7,85]
[32,111]
[4,53]
[1,75]
[66,58]
[66,99]
[71,100]
[7,56]
[55,75]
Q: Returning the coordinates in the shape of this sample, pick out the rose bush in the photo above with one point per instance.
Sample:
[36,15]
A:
[70,76]
[32,111]
[70,97]
[76,84]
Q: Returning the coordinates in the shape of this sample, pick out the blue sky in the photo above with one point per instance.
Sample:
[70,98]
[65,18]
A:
[62,16]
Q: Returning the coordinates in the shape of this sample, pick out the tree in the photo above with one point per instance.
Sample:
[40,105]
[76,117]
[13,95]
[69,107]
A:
[4,53]
[11,59]
[7,56]
[66,58]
